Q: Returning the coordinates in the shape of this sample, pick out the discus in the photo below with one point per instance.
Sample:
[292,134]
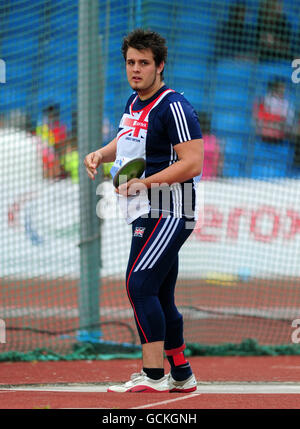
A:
[133,169]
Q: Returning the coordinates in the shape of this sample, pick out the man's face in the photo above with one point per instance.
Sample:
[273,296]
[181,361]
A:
[142,73]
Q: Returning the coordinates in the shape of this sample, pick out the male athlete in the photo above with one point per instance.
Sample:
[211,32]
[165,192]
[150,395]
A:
[161,126]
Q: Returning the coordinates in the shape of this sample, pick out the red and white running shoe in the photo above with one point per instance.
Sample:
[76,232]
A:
[185,386]
[140,383]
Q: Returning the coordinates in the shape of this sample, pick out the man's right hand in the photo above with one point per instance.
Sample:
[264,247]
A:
[92,162]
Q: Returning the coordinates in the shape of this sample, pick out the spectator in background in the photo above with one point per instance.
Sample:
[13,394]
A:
[58,129]
[273,32]
[234,37]
[70,161]
[211,162]
[274,114]
[53,135]
[43,129]
[50,164]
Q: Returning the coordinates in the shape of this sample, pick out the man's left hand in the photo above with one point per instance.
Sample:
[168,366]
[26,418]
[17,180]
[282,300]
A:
[132,187]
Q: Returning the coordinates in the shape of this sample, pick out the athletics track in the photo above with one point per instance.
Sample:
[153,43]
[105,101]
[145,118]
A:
[223,383]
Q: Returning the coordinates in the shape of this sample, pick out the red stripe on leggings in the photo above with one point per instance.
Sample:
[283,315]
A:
[127,286]
[176,351]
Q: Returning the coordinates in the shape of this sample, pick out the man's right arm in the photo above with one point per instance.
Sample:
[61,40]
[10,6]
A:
[106,153]
[109,151]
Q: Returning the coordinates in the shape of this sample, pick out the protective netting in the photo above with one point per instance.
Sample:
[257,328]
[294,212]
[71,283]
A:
[240,270]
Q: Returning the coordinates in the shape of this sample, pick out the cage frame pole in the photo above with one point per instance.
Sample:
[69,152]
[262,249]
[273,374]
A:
[89,122]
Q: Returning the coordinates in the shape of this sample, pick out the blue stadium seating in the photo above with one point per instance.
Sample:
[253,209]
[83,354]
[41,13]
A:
[12,97]
[231,98]
[264,171]
[18,51]
[191,81]
[62,48]
[65,14]
[19,72]
[237,86]
[19,45]
[292,11]
[233,84]
[227,90]
[235,156]
[271,160]
[266,72]
[18,18]
[229,122]
[234,71]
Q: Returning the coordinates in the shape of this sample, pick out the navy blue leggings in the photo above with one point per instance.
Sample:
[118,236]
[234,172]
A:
[151,277]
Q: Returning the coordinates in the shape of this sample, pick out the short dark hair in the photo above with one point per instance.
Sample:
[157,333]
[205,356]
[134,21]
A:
[276,82]
[146,39]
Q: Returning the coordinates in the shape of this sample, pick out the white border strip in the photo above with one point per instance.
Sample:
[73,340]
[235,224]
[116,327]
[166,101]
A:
[208,388]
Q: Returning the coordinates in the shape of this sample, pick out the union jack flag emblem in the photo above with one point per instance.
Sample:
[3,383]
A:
[139,231]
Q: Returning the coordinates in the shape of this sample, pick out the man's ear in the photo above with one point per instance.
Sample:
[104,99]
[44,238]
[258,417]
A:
[161,67]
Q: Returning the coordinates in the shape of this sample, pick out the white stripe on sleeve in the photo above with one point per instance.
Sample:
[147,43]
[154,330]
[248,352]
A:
[184,120]
[176,123]
[180,120]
